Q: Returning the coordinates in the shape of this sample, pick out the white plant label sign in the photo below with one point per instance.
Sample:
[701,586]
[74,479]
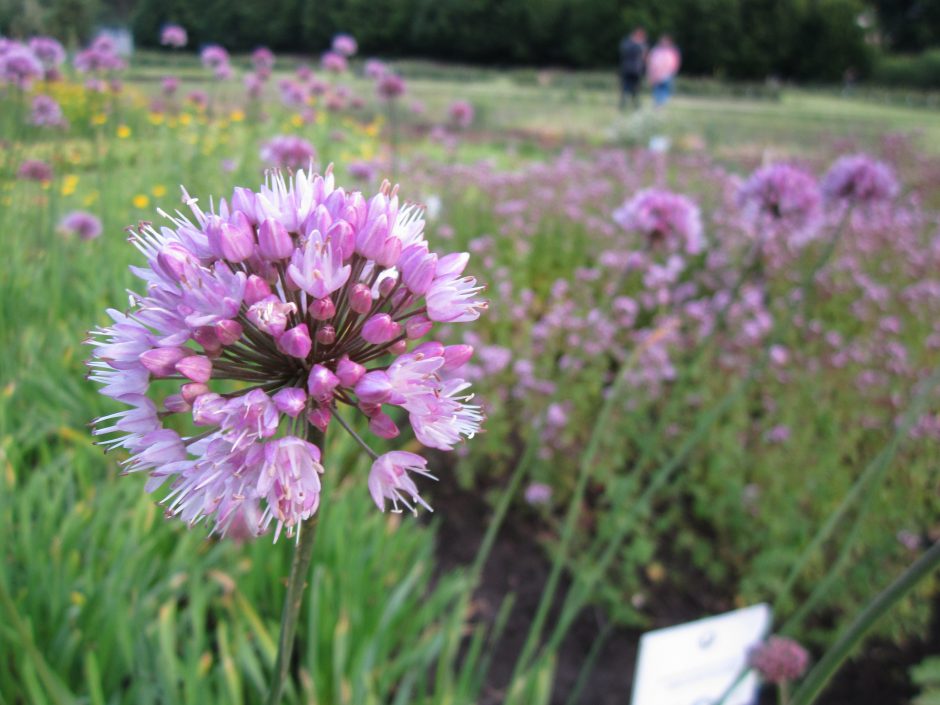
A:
[695,663]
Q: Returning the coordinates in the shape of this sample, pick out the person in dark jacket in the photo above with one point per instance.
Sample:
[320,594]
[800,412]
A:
[632,66]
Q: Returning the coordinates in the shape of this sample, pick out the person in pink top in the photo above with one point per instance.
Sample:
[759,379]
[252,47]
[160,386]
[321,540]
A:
[662,65]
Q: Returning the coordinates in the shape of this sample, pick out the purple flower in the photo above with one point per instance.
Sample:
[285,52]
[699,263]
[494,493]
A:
[779,659]
[303,293]
[538,493]
[174,36]
[345,45]
[782,198]
[19,66]
[262,59]
[84,225]
[374,69]
[99,58]
[46,112]
[216,59]
[169,85]
[860,179]
[34,170]
[288,151]
[665,219]
[461,113]
[49,52]
[390,86]
[334,62]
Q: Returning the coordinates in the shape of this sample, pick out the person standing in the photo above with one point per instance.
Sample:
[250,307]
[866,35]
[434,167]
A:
[632,66]
[661,69]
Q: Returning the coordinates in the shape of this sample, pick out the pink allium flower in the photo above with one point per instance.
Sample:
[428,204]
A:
[345,45]
[19,66]
[254,85]
[262,59]
[461,113]
[334,62]
[779,659]
[860,179]
[35,170]
[277,289]
[100,57]
[293,94]
[374,69]
[46,112]
[288,151]
[390,86]
[665,219]
[216,59]
[783,198]
[169,85]
[198,98]
[49,52]
[84,225]
[361,171]
[174,36]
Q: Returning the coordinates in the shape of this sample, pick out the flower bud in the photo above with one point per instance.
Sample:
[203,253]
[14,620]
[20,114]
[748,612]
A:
[321,384]
[290,401]
[360,298]
[398,347]
[161,362]
[229,331]
[380,329]
[387,285]
[296,342]
[456,356]
[349,372]
[320,417]
[274,242]
[417,267]
[322,309]
[418,326]
[192,391]
[326,335]
[207,337]
[381,425]
[196,367]
[256,289]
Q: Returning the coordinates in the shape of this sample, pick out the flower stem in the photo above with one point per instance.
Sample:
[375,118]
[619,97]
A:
[300,567]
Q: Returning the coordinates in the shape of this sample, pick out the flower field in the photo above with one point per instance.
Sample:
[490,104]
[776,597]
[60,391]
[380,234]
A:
[679,361]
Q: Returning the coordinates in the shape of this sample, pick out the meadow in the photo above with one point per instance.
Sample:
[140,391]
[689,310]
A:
[709,381]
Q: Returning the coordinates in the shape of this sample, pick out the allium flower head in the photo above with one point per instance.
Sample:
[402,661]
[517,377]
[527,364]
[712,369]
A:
[263,59]
[49,52]
[665,219]
[288,151]
[169,85]
[34,170]
[174,36]
[390,86]
[334,62]
[461,113]
[84,225]
[782,198]
[19,66]
[374,69]
[311,299]
[100,57]
[345,45]
[46,112]
[216,59]
[779,659]
[860,179]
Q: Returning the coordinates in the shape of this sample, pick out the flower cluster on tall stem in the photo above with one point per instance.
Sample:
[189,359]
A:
[268,315]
